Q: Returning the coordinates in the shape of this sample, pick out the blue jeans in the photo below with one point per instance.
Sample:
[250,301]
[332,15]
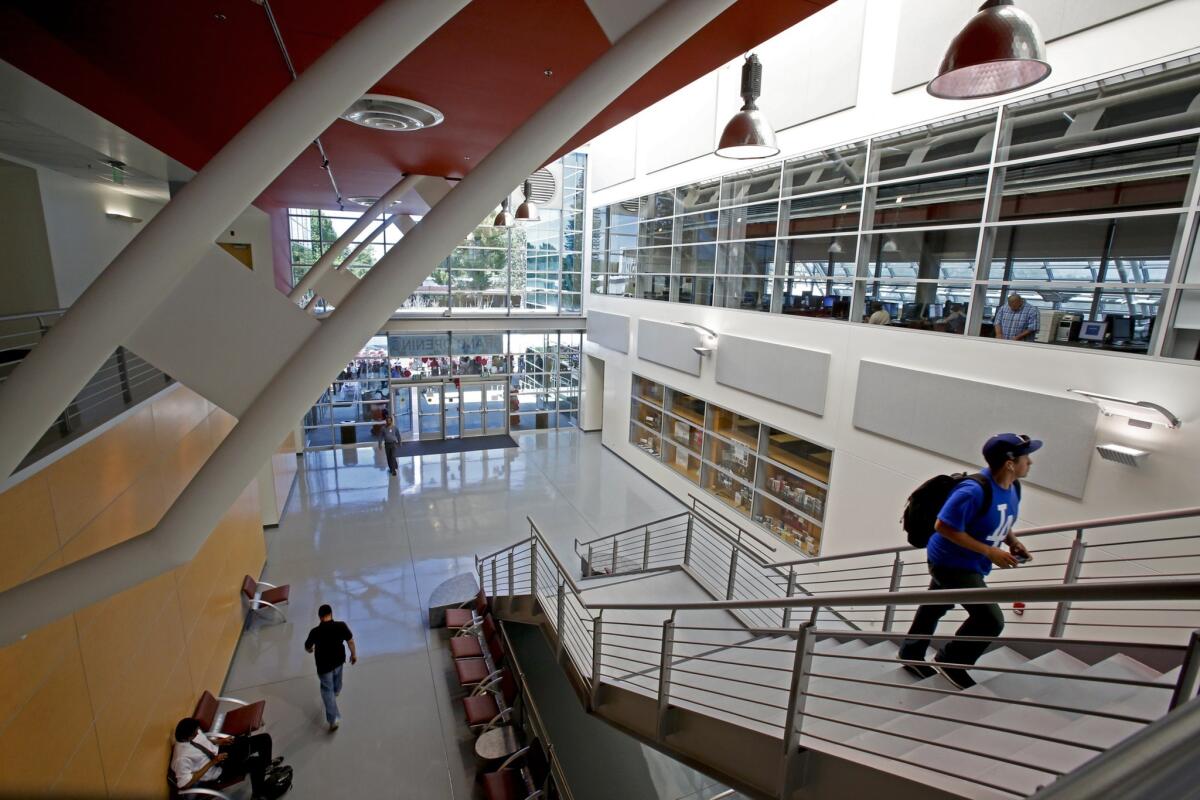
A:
[331,685]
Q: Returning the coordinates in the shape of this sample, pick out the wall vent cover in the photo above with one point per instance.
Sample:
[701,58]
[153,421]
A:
[543,186]
[386,113]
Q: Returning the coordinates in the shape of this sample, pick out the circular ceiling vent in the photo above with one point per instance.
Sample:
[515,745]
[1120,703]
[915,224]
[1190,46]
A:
[386,113]
[543,186]
[367,202]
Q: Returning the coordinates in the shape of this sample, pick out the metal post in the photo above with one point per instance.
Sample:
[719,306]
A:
[533,587]
[479,569]
[1074,565]
[613,569]
[512,591]
[687,543]
[791,588]
[733,560]
[1189,673]
[123,376]
[561,617]
[889,615]
[664,675]
[587,570]
[597,634]
[794,721]
[493,577]
[646,549]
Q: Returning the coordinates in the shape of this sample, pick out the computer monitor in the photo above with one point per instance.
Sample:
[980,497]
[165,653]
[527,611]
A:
[828,301]
[913,311]
[933,311]
[893,309]
[1121,327]
[1093,331]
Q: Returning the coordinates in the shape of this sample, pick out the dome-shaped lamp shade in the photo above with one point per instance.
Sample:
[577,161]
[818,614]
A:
[504,218]
[1000,50]
[748,134]
[528,210]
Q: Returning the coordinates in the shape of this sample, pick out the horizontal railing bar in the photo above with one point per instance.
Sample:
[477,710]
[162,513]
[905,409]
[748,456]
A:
[1010,670]
[720,710]
[884,566]
[631,648]
[989,698]
[1136,577]
[933,743]
[1135,559]
[743,665]
[1149,590]
[566,574]
[610,655]
[916,712]
[57,312]
[1154,540]
[639,528]
[922,765]
[505,549]
[740,698]
[720,518]
[608,633]
[829,633]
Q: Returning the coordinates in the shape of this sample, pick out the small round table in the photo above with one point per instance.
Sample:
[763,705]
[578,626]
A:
[497,744]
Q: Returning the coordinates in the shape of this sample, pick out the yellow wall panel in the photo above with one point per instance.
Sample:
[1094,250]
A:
[185,459]
[176,414]
[25,665]
[222,424]
[83,775]
[87,480]
[135,511]
[28,535]
[145,774]
[121,722]
[37,744]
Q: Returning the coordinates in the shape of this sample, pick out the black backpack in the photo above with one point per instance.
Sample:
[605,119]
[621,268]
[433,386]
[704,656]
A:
[277,781]
[926,501]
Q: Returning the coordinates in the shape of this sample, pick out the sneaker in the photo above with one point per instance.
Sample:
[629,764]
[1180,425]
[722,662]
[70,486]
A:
[921,671]
[333,726]
[957,676]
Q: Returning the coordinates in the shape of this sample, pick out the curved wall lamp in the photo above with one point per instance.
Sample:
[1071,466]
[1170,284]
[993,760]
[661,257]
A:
[1140,413]
[709,346]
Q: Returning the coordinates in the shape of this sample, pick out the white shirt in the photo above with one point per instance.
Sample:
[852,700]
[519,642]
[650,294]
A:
[187,759]
[880,317]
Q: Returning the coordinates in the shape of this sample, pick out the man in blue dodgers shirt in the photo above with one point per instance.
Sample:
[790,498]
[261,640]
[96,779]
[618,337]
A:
[962,551]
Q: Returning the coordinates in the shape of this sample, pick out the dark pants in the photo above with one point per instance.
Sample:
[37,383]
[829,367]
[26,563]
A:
[389,449]
[248,755]
[983,619]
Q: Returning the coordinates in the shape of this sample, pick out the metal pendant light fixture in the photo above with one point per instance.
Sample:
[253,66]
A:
[504,218]
[528,210]
[749,134]
[999,50]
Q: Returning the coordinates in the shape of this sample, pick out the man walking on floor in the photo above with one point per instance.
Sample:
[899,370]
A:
[969,529]
[389,438]
[326,640]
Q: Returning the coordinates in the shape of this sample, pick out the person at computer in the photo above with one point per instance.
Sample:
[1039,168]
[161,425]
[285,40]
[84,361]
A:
[880,316]
[955,320]
[1018,321]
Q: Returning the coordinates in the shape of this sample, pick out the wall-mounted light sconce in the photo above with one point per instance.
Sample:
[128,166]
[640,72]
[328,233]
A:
[122,217]
[1141,413]
[710,343]
[1122,454]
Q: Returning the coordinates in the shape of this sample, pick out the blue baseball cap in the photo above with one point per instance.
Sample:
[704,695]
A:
[1005,446]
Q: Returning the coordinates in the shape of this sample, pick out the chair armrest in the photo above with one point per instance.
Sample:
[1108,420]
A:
[268,585]
[201,792]
[519,754]
[496,719]
[259,602]
[233,700]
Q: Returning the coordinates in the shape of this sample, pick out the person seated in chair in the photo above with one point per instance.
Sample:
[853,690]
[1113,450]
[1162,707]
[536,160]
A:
[197,761]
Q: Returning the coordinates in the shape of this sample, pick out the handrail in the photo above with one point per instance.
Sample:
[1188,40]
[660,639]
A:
[1168,589]
[32,314]
[722,517]
[502,550]
[554,557]
[633,529]
[1102,522]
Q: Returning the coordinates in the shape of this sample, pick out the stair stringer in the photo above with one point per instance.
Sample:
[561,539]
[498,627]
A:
[746,760]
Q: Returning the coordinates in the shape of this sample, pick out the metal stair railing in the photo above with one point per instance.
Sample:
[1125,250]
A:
[765,682]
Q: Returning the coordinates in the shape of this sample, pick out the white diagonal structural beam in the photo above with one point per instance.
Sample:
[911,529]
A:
[187,524]
[124,295]
[325,262]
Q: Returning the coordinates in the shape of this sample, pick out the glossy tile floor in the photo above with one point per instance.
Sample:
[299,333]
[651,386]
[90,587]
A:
[374,548]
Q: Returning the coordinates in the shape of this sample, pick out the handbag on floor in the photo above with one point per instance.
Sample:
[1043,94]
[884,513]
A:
[277,781]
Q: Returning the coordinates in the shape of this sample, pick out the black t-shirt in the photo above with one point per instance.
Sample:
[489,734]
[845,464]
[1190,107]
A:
[327,640]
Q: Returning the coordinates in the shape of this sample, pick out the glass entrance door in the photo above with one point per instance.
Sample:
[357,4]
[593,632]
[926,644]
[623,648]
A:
[427,399]
[496,403]
[451,411]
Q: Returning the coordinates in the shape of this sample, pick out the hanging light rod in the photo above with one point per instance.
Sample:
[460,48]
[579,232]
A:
[999,50]
[749,134]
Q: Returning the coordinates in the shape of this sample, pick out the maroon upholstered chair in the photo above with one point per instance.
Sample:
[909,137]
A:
[524,775]
[474,671]
[483,706]
[243,718]
[469,646]
[462,618]
[272,598]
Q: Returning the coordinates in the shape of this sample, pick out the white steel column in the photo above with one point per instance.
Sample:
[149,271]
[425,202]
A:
[188,523]
[122,297]
[325,262]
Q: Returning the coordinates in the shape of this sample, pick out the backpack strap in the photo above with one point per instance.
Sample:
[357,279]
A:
[984,483]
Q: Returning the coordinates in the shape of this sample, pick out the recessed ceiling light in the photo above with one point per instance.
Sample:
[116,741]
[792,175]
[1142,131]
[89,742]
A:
[366,201]
[386,113]
[219,17]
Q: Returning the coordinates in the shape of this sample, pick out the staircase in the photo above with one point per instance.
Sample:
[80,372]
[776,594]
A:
[804,696]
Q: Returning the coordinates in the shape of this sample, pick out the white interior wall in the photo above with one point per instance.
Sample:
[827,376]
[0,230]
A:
[865,465]
[27,280]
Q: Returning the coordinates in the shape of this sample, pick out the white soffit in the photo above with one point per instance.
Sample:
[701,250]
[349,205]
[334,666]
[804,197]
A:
[618,17]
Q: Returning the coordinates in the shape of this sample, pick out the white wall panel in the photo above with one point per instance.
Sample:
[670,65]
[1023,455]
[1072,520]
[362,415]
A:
[954,417]
[669,344]
[794,376]
[613,157]
[923,22]
[609,330]
[680,127]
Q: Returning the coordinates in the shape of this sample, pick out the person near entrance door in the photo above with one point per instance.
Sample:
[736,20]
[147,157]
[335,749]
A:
[389,440]
[969,531]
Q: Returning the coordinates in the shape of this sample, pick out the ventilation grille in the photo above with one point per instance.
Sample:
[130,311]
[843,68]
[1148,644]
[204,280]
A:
[543,186]
[385,113]
[1129,456]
